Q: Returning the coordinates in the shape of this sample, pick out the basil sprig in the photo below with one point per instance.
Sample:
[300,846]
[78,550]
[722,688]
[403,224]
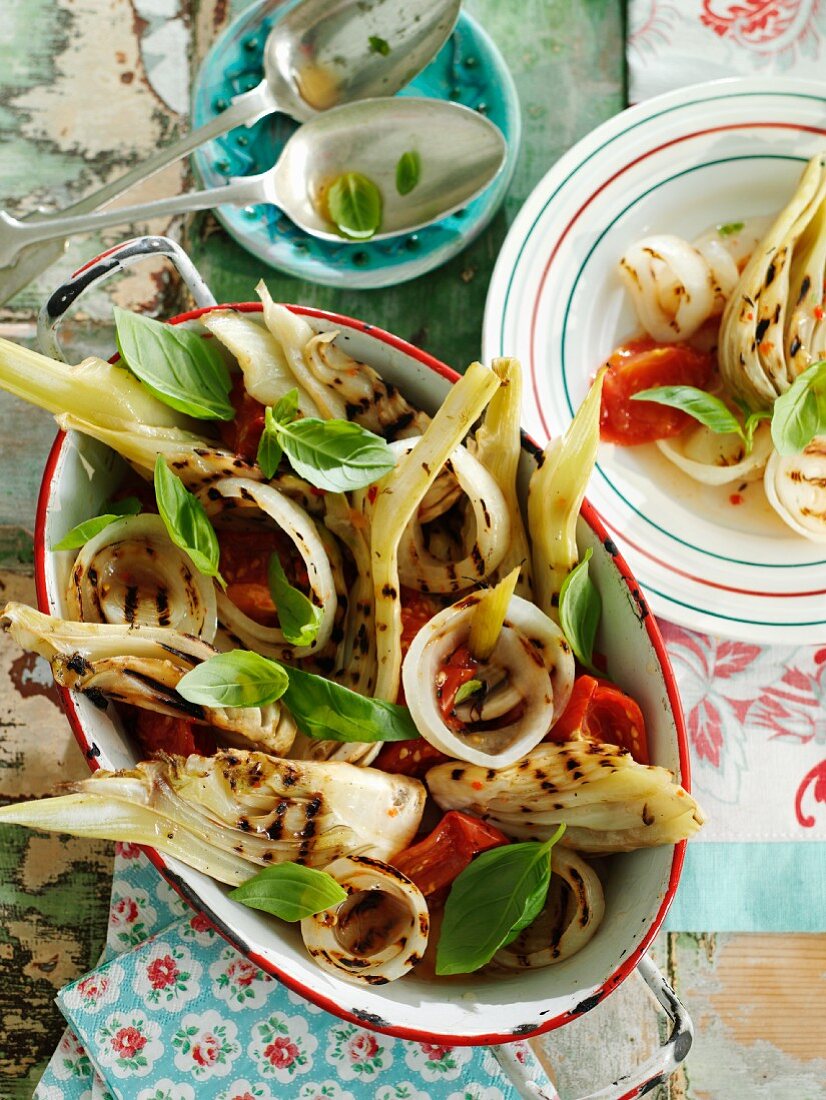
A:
[324,709]
[320,707]
[580,607]
[336,455]
[298,616]
[465,690]
[178,366]
[709,410]
[186,521]
[354,205]
[501,892]
[80,535]
[236,679]
[800,413]
[730,228]
[290,891]
[408,171]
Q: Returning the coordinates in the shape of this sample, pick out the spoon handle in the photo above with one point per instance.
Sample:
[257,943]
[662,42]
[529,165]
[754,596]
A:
[243,109]
[15,235]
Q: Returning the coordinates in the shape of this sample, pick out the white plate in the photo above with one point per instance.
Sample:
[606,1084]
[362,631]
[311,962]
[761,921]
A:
[712,153]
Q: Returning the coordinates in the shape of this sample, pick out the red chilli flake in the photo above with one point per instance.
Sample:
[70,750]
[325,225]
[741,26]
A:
[818,312]
[735,498]
[477,786]
[372,493]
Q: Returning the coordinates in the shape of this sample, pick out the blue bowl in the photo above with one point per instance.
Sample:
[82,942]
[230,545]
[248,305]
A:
[468,70]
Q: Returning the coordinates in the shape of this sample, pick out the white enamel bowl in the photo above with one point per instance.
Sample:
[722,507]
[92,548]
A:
[709,558]
[80,476]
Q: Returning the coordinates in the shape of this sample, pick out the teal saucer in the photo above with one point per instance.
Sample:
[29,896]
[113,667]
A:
[469,70]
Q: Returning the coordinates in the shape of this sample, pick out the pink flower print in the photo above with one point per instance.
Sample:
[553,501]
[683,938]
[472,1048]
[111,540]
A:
[435,1053]
[127,1042]
[124,911]
[243,1096]
[242,972]
[362,1047]
[206,1050]
[162,972]
[281,1053]
[200,923]
[127,851]
[705,731]
[93,987]
[816,779]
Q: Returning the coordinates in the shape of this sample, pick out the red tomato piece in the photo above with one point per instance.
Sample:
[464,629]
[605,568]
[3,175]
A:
[409,758]
[460,667]
[642,365]
[601,711]
[437,860]
[177,736]
[243,434]
[244,564]
[417,609]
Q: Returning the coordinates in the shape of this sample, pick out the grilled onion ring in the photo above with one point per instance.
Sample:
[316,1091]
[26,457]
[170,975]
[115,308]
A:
[131,572]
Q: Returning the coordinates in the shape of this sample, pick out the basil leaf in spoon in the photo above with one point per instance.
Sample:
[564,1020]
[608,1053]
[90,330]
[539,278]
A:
[178,366]
[290,891]
[800,413]
[336,455]
[298,616]
[324,709]
[580,607]
[239,678]
[501,892]
[186,521]
[354,205]
[408,171]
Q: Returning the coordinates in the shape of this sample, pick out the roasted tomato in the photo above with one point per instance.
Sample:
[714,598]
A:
[244,563]
[177,736]
[242,435]
[641,365]
[458,669]
[417,609]
[409,758]
[599,710]
[437,860]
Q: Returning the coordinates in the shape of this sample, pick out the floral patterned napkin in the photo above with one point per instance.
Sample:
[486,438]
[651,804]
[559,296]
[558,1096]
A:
[756,716]
[175,1013]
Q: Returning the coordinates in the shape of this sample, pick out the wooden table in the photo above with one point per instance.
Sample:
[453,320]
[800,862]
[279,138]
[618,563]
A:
[87,90]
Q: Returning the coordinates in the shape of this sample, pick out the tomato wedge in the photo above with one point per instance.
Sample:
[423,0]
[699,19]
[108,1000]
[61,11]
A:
[460,667]
[178,736]
[599,710]
[640,365]
[414,758]
[437,860]
[242,434]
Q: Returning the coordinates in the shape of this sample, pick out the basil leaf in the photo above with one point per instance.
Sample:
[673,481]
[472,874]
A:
[580,607]
[408,170]
[800,413]
[269,449]
[354,205]
[80,535]
[178,366]
[730,228]
[290,891]
[501,892]
[235,679]
[335,454]
[705,407]
[331,712]
[298,617]
[378,45]
[468,688]
[285,410]
[129,506]
[750,426]
[186,521]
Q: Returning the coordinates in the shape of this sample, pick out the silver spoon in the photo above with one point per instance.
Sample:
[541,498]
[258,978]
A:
[460,153]
[322,53]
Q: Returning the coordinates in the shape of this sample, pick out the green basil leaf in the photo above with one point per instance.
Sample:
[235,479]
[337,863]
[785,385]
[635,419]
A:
[730,228]
[80,535]
[239,678]
[750,426]
[408,171]
[336,455]
[501,892]
[800,413]
[269,449]
[354,205]
[331,712]
[186,521]
[580,607]
[178,366]
[290,891]
[378,45]
[285,409]
[129,506]
[705,407]
[468,688]
[298,616]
